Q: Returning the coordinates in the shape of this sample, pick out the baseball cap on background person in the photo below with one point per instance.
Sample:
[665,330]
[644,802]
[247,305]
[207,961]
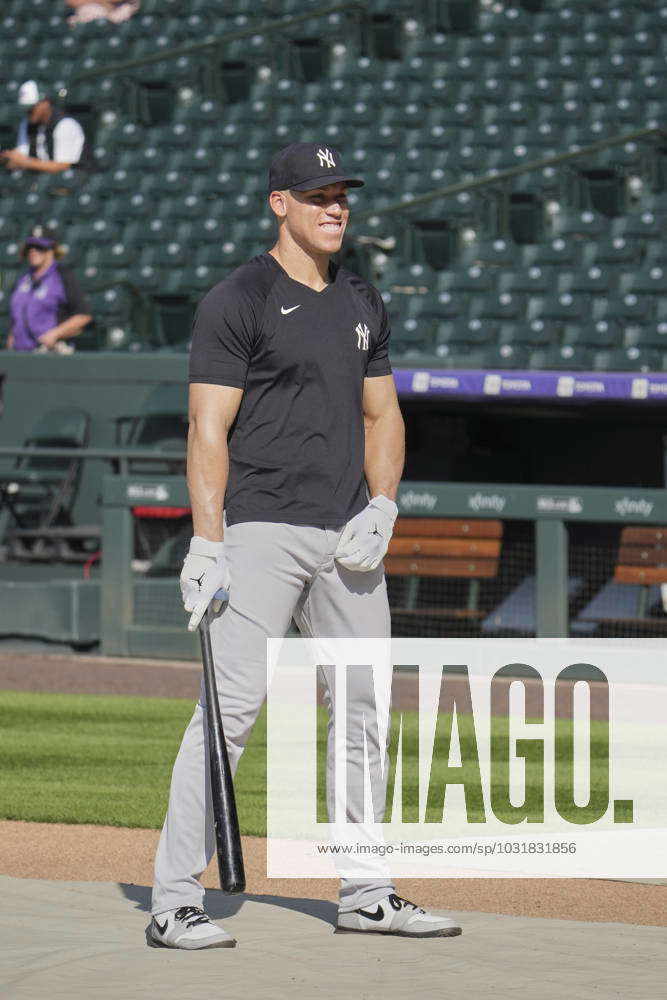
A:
[303,166]
[42,237]
[31,93]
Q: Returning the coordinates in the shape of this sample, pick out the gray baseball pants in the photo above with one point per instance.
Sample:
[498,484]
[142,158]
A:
[278,571]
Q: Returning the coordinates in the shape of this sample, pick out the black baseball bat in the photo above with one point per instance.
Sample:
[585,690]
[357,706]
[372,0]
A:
[225,817]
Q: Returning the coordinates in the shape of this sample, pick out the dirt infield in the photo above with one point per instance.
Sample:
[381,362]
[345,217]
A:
[109,854]
[96,853]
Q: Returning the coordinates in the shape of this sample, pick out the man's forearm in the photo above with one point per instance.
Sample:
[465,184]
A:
[385,453]
[44,166]
[208,470]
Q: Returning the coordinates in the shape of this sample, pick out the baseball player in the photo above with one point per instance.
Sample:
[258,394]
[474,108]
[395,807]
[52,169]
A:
[290,354]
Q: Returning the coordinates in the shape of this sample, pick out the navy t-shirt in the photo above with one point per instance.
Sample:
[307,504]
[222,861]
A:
[297,447]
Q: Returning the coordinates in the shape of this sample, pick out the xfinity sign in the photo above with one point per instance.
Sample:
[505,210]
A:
[633,508]
[410,500]
[487,501]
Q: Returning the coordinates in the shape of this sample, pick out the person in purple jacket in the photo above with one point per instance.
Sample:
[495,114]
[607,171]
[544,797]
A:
[47,306]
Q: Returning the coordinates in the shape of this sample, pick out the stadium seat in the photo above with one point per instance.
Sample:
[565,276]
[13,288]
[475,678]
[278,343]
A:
[39,493]
[597,279]
[533,280]
[563,358]
[580,224]
[598,335]
[502,305]
[473,331]
[628,359]
[529,335]
[561,306]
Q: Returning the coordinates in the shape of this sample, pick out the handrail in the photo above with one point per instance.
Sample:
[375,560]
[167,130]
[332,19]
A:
[502,175]
[149,454]
[232,36]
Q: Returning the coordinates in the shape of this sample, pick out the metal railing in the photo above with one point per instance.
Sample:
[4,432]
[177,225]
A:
[550,508]
[499,177]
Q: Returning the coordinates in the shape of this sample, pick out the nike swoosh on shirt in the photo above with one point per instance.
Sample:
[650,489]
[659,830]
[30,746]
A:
[291,310]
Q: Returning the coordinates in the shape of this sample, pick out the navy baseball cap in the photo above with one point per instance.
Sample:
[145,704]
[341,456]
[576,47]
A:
[304,166]
[41,237]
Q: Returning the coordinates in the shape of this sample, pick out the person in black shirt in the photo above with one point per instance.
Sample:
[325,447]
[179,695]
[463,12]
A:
[290,360]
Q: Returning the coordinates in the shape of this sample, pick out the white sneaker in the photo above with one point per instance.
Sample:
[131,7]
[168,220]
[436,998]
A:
[393,915]
[188,927]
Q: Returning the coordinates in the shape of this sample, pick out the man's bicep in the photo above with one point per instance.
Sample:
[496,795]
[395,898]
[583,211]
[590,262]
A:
[213,408]
[379,396]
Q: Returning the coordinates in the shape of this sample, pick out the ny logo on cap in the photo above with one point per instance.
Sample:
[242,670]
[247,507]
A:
[325,158]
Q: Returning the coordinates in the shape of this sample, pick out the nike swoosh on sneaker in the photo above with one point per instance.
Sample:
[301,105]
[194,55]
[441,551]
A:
[290,310]
[162,930]
[378,915]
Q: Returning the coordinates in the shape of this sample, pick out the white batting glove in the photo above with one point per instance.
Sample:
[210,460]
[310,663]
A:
[205,572]
[366,536]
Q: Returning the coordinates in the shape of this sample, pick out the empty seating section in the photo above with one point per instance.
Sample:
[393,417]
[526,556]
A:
[560,268]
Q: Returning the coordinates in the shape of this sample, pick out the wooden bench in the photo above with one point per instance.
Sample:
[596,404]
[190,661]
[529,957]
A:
[444,547]
[642,560]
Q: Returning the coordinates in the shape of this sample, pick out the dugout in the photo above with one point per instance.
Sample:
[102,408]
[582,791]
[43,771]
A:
[564,444]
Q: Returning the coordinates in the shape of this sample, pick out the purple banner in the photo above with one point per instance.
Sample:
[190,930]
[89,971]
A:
[556,386]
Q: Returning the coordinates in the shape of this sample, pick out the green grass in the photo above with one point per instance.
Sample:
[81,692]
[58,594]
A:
[93,759]
[107,760]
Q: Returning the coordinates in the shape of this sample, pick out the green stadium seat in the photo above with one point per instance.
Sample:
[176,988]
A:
[468,331]
[134,205]
[39,493]
[561,306]
[555,252]
[461,355]
[93,232]
[501,305]
[626,307]
[506,356]
[115,257]
[9,254]
[653,335]
[528,335]
[472,279]
[648,281]
[600,334]
[629,359]
[495,253]
[598,278]
[202,276]
[640,225]
[615,250]
[581,224]
[412,337]
[444,305]
[563,358]
[532,279]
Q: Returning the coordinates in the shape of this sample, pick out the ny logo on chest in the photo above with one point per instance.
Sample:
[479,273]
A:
[363,334]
